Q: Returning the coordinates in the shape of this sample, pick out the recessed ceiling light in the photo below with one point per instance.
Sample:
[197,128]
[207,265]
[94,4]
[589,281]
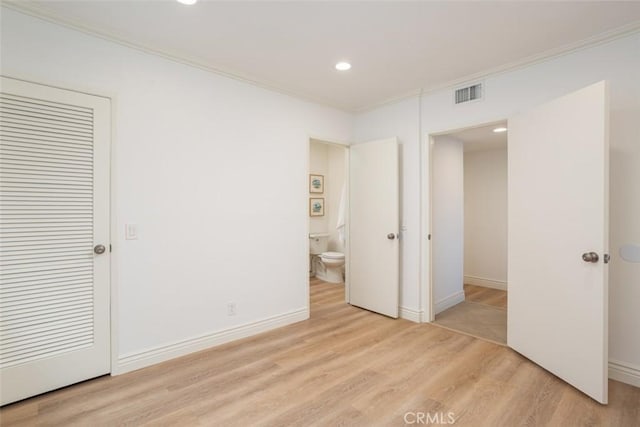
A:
[343,66]
[188,2]
[500,129]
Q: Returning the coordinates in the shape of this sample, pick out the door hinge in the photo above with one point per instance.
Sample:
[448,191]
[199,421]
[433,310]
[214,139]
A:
[109,247]
[607,258]
[429,237]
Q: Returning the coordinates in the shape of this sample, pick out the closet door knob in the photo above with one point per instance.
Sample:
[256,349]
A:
[590,257]
[391,236]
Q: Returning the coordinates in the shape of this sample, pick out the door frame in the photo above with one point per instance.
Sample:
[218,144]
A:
[113,226]
[347,246]
[425,287]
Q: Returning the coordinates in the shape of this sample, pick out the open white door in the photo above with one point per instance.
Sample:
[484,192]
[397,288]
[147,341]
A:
[558,211]
[374,224]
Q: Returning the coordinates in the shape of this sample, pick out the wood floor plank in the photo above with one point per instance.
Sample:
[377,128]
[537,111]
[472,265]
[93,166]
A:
[342,367]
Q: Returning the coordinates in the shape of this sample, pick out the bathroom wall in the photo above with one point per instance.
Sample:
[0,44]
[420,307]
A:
[318,165]
[448,222]
[485,218]
[328,160]
[335,182]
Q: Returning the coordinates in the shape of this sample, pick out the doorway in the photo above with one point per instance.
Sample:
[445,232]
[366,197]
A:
[327,220]
[558,248]
[469,227]
[354,206]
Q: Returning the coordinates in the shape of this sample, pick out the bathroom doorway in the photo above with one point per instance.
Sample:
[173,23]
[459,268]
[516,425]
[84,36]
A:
[327,184]
[469,230]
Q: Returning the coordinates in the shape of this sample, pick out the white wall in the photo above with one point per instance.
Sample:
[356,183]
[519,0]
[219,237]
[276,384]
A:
[214,172]
[447,222]
[506,94]
[485,217]
[328,160]
[334,182]
[319,165]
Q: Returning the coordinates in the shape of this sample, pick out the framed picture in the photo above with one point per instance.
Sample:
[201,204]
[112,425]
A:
[316,206]
[316,183]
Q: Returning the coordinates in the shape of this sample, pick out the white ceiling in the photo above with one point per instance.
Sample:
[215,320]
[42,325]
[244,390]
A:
[395,47]
[482,138]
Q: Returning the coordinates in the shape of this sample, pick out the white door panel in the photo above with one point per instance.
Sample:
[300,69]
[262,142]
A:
[374,216]
[54,207]
[558,210]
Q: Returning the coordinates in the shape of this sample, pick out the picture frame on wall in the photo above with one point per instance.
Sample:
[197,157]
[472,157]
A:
[316,206]
[316,183]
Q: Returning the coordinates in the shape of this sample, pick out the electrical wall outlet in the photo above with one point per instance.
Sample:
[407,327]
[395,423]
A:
[231,309]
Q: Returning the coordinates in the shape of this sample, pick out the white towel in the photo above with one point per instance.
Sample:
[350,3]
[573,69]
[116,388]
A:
[340,225]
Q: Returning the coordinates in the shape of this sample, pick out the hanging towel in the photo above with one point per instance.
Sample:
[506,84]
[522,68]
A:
[340,226]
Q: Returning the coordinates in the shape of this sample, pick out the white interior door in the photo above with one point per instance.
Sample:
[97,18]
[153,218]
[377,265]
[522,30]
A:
[54,194]
[374,218]
[558,211]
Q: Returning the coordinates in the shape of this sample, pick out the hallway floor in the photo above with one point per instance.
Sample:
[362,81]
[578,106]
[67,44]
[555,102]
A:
[482,314]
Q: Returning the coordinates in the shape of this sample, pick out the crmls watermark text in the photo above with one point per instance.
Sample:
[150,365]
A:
[429,418]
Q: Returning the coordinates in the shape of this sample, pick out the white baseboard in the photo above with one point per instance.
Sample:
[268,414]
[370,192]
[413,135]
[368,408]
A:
[624,372]
[487,283]
[411,314]
[134,361]
[449,301]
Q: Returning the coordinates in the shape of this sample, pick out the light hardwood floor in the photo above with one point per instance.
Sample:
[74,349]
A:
[343,366]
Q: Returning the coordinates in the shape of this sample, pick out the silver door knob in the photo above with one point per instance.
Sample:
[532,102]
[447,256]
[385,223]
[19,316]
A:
[590,257]
[99,249]
[391,236]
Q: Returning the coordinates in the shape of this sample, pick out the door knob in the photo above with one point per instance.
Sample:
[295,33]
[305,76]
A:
[391,236]
[99,249]
[590,257]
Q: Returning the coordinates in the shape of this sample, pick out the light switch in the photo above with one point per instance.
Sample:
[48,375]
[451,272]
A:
[131,231]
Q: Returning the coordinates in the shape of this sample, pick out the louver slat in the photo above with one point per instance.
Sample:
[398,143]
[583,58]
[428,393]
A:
[46,229]
[466,94]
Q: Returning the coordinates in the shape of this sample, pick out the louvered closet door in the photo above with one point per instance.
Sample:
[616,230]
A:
[54,208]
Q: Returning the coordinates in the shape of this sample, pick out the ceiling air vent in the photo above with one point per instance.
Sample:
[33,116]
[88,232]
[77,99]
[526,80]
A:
[470,93]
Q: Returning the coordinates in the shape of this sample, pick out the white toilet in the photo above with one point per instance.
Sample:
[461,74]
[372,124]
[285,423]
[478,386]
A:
[330,267]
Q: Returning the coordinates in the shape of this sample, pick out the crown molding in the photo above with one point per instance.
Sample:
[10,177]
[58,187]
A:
[597,39]
[43,14]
